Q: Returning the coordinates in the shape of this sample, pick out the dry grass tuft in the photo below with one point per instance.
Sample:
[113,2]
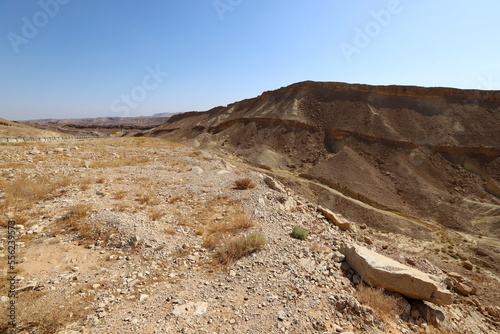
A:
[226,239]
[175,199]
[210,241]
[156,214]
[384,306]
[237,222]
[22,193]
[84,183]
[87,233]
[120,207]
[119,162]
[120,194]
[236,248]
[46,313]
[143,198]
[245,184]
[79,210]
[21,218]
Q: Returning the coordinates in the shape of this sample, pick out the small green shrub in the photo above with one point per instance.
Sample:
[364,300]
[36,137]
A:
[299,233]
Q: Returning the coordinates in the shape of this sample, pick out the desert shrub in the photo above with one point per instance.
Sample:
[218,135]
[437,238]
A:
[120,194]
[156,214]
[384,305]
[143,198]
[47,313]
[88,233]
[24,191]
[179,198]
[79,210]
[245,184]
[239,222]
[299,233]
[236,248]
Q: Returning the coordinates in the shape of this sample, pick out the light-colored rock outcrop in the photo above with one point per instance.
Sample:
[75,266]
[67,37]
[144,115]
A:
[275,185]
[378,270]
[336,219]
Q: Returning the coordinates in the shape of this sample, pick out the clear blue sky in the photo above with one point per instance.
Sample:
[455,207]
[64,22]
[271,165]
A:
[89,58]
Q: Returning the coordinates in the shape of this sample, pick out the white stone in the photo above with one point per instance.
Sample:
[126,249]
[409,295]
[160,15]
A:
[378,270]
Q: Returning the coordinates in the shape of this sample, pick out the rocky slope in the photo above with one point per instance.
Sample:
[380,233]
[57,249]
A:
[408,160]
[137,235]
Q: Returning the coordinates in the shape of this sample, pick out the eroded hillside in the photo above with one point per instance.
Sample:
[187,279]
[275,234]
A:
[408,160]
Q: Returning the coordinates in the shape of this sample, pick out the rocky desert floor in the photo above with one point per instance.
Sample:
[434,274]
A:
[140,235]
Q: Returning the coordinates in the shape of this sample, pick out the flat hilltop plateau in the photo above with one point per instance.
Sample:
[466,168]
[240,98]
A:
[144,235]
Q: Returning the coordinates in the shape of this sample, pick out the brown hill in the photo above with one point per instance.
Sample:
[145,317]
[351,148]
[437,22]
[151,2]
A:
[123,126]
[409,160]
[10,129]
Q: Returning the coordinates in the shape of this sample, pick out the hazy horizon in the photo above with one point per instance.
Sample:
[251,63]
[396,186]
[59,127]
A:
[75,59]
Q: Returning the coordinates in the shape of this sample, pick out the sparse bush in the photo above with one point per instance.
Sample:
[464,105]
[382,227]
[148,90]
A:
[172,200]
[87,233]
[299,233]
[156,214]
[236,248]
[121,207]
[120,194]
[384,306]
[24,191]
[118,162]
[211,241]
[144,198]
[236,223]
[79,210]
[85,183]
[244,184]
[243,222]
[44,313]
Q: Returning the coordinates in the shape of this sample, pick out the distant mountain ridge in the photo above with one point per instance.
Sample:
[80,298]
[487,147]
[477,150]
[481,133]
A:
[154,120]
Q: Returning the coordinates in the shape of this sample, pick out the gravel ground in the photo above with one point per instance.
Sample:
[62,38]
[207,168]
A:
[129,235]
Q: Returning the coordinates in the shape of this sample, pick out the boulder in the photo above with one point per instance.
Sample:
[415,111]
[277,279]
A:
[274,184]
[460,284]
[465,288]
[336,219]
[378,270]
[337,257]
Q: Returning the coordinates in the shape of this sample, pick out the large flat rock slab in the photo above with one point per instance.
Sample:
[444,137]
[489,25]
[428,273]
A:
[378,270]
